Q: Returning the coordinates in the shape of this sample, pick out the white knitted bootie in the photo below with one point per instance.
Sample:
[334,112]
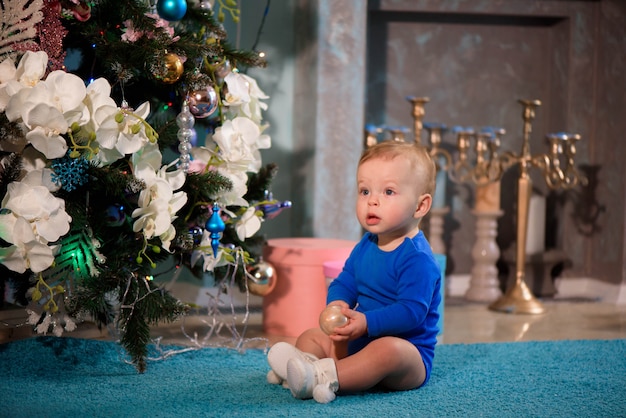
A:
[317,380]
[278,356]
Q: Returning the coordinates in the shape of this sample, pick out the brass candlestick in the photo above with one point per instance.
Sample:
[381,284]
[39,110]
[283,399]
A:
[518,298]
[489,166]
[418,115]
[442,161]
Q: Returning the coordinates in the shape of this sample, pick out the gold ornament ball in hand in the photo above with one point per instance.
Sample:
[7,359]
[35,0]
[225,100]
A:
[173,68]
[331,318]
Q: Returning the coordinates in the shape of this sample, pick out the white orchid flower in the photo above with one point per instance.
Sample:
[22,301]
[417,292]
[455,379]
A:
[36,174]
[234,196]
[244,96]
[154,218]
[123,132]
[157,209]
[30,254]
[238,89]
[30,70]
[248,225]
[34,163]
[238,141]
[60,90]
[45,212]
[99,104]
[146,162]
[158,202]
[66,92]
[47,126]
[48,109]
[33,218]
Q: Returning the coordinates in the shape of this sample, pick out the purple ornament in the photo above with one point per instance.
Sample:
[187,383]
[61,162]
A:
[272,210]
[203,102]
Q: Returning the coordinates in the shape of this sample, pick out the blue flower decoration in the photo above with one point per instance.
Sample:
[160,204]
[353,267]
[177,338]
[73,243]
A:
[69,173]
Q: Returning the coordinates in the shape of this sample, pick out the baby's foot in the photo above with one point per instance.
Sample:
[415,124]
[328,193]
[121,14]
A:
[278,356]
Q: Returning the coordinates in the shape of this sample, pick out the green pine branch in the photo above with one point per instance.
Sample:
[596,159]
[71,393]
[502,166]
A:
[201,189]
[143,305]
[259,183]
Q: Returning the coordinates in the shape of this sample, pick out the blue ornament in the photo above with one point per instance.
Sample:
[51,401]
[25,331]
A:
[70,173]
[114,215]
[196,234]
[171,10]
[215,225]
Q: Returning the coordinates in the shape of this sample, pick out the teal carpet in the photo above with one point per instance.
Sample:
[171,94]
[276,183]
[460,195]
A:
[64,377]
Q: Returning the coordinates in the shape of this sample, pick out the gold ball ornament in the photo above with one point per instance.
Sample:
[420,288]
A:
[261,278]
[331,318]
[173,68]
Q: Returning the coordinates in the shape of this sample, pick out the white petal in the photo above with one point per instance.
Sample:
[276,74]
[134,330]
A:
[40,257]
[129,143]
[23,232]
[53,146]
[143,110]
[47,116]
[13,259]
[7,70]
[7,227]
[99,87]
[68,90]
[32,67]
[55,227]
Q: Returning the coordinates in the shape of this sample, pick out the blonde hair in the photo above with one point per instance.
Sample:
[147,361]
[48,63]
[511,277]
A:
[418,156]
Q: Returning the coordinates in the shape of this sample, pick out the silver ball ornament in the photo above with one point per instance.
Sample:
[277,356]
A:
[261,278]
[203,102]
[332,318]
[222,69]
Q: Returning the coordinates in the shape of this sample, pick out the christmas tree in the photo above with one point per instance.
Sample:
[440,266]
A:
[103,173]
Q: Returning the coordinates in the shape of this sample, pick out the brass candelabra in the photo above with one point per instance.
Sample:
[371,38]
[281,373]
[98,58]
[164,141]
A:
[488,166]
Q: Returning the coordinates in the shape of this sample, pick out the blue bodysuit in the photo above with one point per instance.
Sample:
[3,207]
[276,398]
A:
[398,291]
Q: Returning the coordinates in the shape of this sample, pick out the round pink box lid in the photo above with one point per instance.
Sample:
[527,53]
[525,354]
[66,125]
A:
[333,268]
[306,251]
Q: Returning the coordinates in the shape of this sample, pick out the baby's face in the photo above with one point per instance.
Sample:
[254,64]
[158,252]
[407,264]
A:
[387,196]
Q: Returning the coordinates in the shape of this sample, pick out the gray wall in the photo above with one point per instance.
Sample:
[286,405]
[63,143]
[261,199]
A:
[337,64]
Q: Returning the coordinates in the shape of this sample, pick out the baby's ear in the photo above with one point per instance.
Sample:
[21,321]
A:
[424,205]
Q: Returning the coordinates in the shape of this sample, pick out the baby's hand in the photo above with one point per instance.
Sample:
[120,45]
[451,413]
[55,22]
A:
[355,328]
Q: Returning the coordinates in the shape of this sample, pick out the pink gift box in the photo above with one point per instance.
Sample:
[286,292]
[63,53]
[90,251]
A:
[300,293]
[332,269]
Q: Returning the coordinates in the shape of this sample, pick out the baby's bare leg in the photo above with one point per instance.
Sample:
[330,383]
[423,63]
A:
[392,362]
[316,342]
